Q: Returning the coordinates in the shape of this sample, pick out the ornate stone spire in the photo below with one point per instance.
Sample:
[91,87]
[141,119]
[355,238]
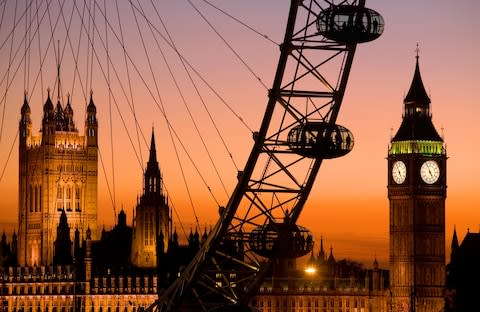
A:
[153,150]
[152,173]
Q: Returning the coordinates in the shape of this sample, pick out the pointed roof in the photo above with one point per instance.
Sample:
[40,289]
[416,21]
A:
[91,108]
[321,252]
[417,120]
[416,94]
[331,258]
[68,108]
[455,246]
[153,151]
[311,260]
[152,186]
[205,235]
[454,239]
[48,106]
[25,107]
[59,116]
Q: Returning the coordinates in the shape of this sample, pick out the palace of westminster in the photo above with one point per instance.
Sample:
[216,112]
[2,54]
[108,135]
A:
[56,262]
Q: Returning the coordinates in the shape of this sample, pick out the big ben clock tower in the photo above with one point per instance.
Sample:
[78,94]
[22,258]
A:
[417,191]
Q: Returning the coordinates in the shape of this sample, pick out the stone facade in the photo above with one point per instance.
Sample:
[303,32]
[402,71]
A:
[57,171]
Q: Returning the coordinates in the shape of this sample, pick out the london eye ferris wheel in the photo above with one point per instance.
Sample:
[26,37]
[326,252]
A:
[298,131]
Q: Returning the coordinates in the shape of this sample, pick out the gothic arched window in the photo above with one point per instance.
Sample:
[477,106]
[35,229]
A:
[59,197]
[77,197]
[68,198]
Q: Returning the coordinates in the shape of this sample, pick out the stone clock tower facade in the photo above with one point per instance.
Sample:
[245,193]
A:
[417,192]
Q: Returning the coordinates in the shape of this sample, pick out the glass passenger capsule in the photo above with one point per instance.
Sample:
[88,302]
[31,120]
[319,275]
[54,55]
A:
[318,139]
[281,240]
[350,24]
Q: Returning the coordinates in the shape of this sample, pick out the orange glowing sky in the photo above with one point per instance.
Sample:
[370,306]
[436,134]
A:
[348,205]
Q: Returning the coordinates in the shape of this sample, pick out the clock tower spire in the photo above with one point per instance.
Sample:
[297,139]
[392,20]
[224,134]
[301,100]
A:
[417,192]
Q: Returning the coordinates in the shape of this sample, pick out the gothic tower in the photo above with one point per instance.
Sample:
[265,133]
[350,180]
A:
[417,191]
[152,216]
[57,172]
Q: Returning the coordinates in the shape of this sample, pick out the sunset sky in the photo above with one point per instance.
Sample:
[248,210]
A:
[348,205]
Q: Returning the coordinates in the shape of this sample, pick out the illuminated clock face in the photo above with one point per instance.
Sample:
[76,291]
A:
[399,172]
[430,172]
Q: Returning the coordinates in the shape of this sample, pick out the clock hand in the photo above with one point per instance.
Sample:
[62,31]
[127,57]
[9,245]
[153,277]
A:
[430,171]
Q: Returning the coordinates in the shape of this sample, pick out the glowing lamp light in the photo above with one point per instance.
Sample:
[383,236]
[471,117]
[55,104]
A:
[310,270]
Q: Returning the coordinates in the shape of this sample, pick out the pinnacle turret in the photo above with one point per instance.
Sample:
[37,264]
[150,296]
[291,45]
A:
[91,108]
[91,125]
[59,117]
[69,124]
[25,107]
[48,106]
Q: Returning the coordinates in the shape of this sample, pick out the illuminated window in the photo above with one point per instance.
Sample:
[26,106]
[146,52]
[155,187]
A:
[77,197]
[68,198]
[59,197]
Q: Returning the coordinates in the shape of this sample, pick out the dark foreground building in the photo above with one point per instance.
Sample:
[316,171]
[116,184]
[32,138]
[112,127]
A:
[463,274]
